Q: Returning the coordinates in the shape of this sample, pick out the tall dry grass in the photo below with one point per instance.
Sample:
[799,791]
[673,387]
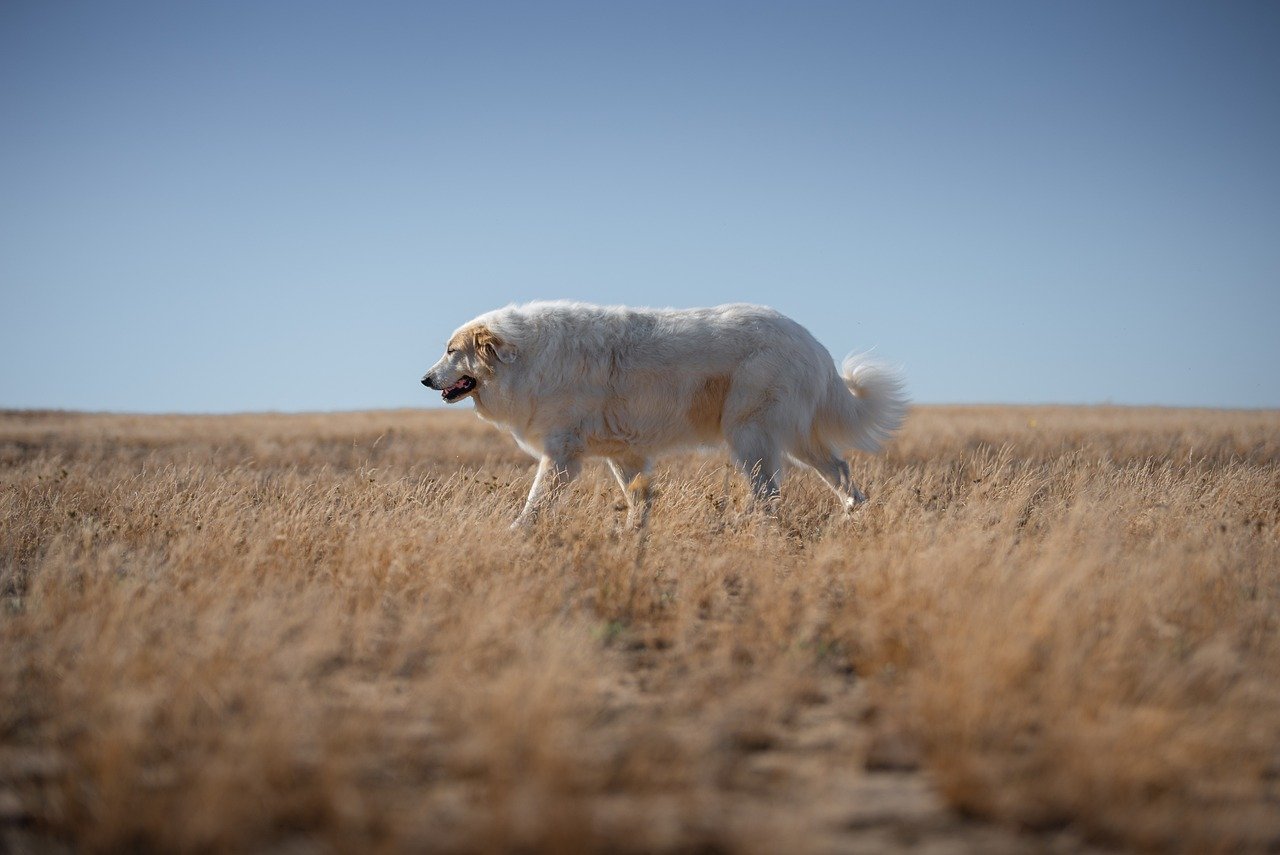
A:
[1050,628]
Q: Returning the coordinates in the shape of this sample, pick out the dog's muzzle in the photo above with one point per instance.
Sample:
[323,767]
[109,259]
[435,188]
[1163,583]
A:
[465,386]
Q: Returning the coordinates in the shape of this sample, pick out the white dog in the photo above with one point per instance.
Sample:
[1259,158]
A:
[572,380]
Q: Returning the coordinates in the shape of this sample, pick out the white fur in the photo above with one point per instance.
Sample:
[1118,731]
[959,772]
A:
[573,380]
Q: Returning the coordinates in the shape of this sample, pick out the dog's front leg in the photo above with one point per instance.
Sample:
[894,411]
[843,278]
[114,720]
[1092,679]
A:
[632,473]
[554,472]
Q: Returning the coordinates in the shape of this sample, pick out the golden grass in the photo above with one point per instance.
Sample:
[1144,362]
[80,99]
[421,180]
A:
[263,632]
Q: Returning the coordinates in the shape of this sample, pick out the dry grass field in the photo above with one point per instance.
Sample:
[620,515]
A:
[1051,629]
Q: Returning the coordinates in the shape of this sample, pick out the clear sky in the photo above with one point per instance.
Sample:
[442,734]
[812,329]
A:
[289,205]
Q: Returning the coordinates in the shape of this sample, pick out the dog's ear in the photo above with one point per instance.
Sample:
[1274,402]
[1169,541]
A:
[506,351]
[490,346]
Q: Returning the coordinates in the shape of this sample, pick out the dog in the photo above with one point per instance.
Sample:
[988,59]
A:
[572,380]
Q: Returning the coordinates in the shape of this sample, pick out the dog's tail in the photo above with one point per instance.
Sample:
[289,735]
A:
[870,407]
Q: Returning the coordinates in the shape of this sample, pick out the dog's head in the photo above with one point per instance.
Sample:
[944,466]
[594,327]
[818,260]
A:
[475,353]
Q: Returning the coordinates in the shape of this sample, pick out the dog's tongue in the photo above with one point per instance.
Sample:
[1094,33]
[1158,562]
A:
[459,385]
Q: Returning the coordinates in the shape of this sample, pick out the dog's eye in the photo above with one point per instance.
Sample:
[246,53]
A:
[451,351]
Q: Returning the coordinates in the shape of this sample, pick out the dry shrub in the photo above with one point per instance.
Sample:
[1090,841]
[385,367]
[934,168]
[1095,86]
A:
[256,632]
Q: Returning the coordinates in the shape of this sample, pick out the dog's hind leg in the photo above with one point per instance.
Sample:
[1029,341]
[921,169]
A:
[632,473]
[554,472]
[835,471]
[758,456]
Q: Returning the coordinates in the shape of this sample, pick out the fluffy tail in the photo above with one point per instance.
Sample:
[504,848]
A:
[874,406]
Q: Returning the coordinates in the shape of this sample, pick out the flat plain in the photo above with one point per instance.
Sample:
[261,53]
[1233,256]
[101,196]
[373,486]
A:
[1050,629]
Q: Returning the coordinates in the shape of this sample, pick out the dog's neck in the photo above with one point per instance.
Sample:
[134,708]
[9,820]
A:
[505,400]
[495,403]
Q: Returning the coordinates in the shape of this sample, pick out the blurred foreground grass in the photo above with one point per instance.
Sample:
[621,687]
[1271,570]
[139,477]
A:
[263,632]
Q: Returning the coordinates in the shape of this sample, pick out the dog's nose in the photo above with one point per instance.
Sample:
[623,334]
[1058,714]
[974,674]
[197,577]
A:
[426,381]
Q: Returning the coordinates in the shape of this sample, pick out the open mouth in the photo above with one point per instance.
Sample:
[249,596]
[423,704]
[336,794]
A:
[459,390]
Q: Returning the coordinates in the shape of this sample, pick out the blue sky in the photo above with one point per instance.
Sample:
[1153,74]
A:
[289,205]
